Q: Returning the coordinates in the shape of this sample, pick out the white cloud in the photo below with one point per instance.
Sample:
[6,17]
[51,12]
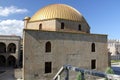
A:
[5,11]
[11,27]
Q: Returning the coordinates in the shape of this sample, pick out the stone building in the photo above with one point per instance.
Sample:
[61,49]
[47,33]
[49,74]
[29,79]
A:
[9,51]
[57,35]
[114,47]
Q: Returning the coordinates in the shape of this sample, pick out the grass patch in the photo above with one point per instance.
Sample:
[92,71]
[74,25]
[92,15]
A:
[114,61]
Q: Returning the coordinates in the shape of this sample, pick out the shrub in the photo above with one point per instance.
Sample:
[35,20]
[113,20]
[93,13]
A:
[109,70]
[79,77]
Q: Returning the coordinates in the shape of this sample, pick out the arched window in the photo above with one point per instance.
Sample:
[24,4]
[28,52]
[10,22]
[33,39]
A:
[48,47]
[11,61]
[40,26]
[93,47]
[79,27]
[11,48]
[62,25]
[2,47]
[2,61]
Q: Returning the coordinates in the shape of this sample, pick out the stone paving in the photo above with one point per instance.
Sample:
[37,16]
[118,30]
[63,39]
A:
[9,74]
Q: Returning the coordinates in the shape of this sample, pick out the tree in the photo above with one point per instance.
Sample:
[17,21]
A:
[79,77]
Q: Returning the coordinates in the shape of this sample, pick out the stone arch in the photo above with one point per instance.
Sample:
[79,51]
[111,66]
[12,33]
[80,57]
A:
[40,26]
[48,47]
[2,47]
[11,48]
[11,61]
[2,61]
[93,47]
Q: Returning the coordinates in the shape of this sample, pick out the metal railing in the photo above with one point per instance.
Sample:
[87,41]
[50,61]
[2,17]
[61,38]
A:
[66,68]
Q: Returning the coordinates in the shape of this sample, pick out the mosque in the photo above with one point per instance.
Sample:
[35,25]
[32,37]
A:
[56,35]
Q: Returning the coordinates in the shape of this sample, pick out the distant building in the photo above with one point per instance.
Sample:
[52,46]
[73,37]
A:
[114,47]
[10,51]
[57,35]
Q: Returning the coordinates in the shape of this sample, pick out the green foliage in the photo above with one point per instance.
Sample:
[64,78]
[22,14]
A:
[114,61]
[109,70]
[79,77]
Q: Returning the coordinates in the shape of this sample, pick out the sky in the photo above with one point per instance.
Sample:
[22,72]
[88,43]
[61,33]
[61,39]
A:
[103,16]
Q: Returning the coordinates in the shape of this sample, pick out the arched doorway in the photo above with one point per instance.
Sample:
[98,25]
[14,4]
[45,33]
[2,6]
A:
[11,48]
[11,61]
[2,61]
[2,47]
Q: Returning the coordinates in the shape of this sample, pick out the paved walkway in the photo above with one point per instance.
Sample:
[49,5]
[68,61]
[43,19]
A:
[9,74]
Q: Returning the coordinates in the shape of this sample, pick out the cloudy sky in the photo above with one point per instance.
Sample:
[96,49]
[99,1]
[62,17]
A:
[103,16]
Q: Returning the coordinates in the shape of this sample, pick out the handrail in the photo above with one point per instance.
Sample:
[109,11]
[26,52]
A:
[59,72]
[84,71]
[91,72]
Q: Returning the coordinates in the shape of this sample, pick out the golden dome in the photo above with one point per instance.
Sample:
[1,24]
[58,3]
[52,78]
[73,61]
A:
[60,11]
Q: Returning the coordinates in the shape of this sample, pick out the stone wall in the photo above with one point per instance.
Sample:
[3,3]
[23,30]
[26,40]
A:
[66,48]
[8,40]
[55,25]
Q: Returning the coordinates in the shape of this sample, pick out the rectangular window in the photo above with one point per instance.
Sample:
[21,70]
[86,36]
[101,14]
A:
[48,67]
[62,25]
[93,64]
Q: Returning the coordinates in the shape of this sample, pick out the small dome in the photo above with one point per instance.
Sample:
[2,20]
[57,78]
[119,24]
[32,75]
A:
[60,11]
[26,18]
